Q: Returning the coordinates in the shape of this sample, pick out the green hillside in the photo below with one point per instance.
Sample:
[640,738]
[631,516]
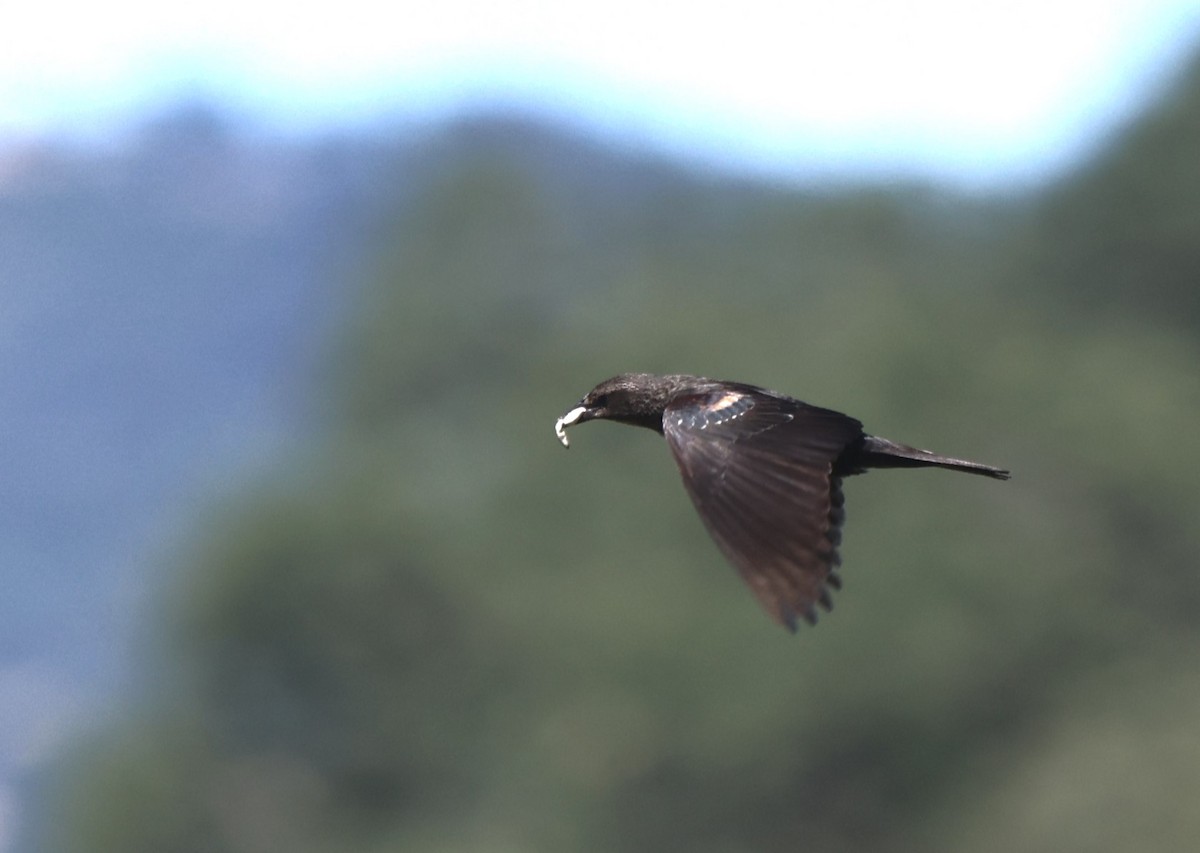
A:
[437,630]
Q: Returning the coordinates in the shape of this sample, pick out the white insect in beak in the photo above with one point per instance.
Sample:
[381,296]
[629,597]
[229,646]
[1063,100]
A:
[565,421]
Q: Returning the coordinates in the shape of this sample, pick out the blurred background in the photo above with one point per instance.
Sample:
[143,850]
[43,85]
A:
[289,300]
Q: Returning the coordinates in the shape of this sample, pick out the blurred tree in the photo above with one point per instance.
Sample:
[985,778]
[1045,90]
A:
[1127,224]
[447,634]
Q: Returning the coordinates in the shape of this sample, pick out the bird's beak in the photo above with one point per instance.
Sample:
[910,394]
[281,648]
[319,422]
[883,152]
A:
[577,415]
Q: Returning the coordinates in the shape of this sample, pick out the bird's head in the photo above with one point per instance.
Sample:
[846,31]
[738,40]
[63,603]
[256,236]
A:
[631,398]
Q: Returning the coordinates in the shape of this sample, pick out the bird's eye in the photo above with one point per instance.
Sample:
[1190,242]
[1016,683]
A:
[600,402]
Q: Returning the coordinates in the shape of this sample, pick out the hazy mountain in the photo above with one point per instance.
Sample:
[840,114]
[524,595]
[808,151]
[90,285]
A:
[168,309]
[165,301]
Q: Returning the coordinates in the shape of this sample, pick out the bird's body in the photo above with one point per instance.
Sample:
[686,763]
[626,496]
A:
[764,471]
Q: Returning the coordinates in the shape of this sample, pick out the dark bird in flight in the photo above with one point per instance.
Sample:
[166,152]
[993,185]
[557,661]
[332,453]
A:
[765,473]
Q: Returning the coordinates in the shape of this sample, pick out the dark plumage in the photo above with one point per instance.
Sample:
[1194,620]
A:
[764,471]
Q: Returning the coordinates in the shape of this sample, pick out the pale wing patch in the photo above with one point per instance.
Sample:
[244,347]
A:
[728,407]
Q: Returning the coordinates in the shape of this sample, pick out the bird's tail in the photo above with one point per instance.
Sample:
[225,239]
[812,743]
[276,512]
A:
[881,453]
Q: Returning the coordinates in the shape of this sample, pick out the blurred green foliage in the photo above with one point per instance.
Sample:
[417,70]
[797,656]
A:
[439,631]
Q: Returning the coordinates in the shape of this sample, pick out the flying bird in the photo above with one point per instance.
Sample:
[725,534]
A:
[764,471]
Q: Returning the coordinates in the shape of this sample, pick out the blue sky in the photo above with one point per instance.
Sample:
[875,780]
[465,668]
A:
[967,91]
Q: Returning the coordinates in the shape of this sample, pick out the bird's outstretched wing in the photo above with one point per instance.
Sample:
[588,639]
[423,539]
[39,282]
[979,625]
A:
[759,469]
